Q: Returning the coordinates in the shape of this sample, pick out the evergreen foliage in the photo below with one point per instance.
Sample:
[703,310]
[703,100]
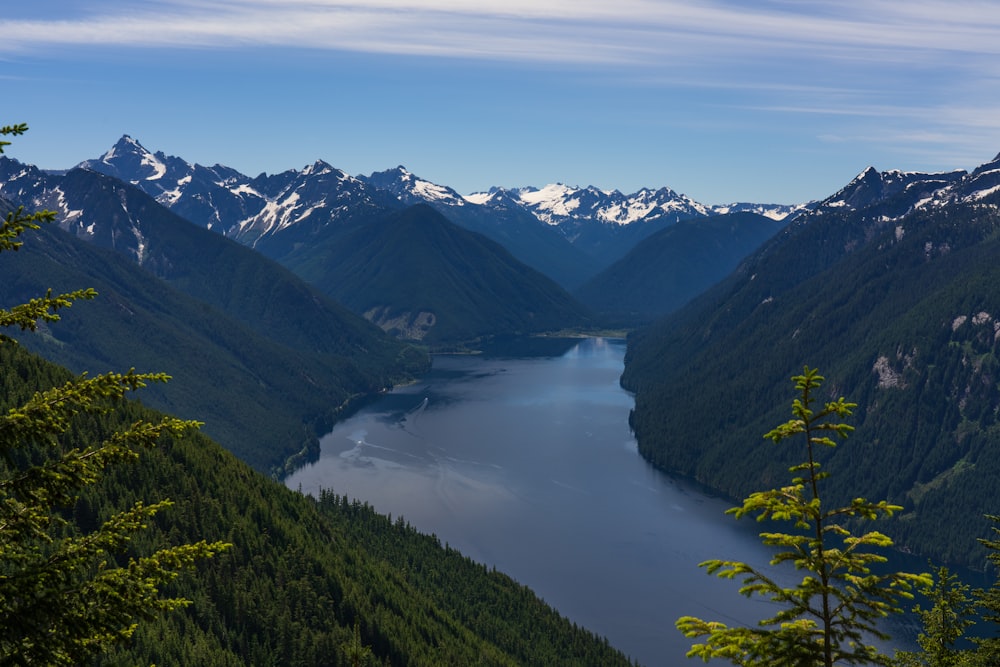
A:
[944,624]
[989,601]
[830,615]
[903,312]
[672,266]
[301,572]
[415,261]
[953,610]
[305,582]
[64,594]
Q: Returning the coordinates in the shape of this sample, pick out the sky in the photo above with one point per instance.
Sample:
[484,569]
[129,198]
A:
[769,101]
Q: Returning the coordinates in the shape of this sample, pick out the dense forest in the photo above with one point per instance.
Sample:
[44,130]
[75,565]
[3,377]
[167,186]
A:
[422,277]
[902,318]
[266,361]
[302,572]
[673,265]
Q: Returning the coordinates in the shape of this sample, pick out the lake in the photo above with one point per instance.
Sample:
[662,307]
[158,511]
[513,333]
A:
[524,460]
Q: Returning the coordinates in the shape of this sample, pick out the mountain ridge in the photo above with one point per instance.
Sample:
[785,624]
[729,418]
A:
[247,208]
[888,287]
[237,324]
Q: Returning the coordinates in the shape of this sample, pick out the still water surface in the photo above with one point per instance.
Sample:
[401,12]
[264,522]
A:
[527,463]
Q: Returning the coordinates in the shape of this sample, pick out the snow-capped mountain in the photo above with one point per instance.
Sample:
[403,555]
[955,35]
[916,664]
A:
[509,223]
[74,196]
[411,189]
[268,210]
[599,226]
[783,212]
[570,233]
[895,192]
[562,205]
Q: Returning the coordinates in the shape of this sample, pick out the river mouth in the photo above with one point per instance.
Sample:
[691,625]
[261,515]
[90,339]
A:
[527,463]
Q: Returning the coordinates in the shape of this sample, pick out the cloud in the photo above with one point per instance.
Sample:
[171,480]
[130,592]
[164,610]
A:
[927,68]
[580,31]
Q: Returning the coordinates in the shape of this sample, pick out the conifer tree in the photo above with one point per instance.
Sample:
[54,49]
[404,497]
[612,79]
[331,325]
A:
[945,622]
[831,615]
[988,650]
[67,594]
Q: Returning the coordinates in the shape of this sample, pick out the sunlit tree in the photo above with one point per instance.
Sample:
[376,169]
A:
[831,616]
[67,594]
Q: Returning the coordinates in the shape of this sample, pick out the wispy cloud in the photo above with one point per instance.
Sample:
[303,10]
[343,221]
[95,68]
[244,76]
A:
[583,31]
[918,77]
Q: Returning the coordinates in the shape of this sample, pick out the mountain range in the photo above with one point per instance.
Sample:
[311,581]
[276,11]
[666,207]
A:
[307,579]
[263,358]
[261,296]
[568,233]
[198,244]
[889,288]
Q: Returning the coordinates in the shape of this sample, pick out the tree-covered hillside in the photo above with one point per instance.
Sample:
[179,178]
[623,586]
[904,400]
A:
[266,391]
[902,314]
[422,277]
[669,268]
[302,573]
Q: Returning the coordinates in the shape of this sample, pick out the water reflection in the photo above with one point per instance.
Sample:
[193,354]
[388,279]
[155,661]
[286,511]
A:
[527,463]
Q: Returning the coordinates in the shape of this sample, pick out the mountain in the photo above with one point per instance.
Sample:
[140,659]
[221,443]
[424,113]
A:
[607,224]
[303,574]
[567,233]
[421,277]
[271,213]
[537,244]
[265,359]
[675,264]
[603,224]
[300,218]
[889,288]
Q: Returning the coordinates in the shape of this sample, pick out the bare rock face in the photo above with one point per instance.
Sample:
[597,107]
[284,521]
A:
[405,326]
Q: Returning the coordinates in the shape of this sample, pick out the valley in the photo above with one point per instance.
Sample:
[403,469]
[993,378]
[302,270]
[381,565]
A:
[283,304]
[523,460]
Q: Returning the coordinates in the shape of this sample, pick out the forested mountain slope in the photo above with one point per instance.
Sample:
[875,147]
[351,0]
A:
[267,398]
[666,270]
[892,292]
[422,277]
[302,573]
[412,272]
[536,243]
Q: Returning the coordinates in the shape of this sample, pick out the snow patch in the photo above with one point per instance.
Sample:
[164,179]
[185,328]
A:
[433,192]
[274,216]
[554,199]
[245,189]
[151,161]
[479,198]
[982,194]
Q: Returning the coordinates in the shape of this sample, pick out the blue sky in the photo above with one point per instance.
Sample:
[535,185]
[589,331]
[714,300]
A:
[777,101]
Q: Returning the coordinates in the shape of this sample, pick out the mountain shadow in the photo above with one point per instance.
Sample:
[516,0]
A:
[421,277]
[672,266]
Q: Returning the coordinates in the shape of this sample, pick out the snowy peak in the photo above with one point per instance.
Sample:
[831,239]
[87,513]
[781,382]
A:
[495,198]
[983,182]
[898,192]
[321,168]
[411,189]
[558,204]
[223,199]
[129,158]
[776,212]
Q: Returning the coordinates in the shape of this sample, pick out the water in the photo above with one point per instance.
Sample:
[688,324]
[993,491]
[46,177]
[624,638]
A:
[527,463]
